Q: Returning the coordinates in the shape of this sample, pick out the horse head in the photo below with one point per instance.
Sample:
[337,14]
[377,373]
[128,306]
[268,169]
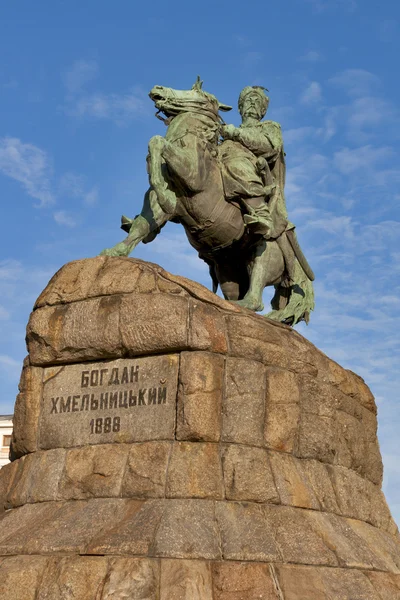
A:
[174,102]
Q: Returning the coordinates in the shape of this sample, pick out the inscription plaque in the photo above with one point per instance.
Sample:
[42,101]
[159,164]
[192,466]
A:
[125,400]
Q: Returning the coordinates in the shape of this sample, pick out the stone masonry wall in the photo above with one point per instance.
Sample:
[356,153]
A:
[258,476]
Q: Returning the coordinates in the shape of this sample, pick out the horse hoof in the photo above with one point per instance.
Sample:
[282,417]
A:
[249,304]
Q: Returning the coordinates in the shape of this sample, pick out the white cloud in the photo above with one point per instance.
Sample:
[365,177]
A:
[298,134]
[120,108]
[28,165]
[73,185]
[364,158]
[61,217]
[10,85]
[312,56]
[81,73]
[312,94]
[8,361]
[4,314]
[370,112]
[91,197]
[10,270]
[356,82]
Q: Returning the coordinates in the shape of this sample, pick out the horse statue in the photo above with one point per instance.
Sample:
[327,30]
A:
[186,186]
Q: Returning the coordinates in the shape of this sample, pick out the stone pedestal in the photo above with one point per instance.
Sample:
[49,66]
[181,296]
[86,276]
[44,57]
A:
[171,446]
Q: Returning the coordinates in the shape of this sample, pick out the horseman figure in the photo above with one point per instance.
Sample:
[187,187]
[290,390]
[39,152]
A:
[229,198]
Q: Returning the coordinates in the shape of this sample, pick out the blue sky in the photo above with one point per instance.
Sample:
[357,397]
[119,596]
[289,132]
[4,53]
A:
[75,121]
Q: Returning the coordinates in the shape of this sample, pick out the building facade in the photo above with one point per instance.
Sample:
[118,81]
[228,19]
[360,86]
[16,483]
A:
[6,427]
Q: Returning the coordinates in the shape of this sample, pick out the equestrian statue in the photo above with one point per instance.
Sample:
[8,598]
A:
[225,185]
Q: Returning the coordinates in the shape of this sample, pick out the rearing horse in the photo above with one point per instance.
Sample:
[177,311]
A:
[186,186]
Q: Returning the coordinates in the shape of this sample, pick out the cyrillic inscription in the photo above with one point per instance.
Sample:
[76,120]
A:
[125,400]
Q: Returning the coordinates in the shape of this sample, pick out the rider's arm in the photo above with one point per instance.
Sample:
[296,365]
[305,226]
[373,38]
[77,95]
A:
[265,140]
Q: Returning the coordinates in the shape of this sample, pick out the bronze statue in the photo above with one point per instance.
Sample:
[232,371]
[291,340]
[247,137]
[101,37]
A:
[229,197]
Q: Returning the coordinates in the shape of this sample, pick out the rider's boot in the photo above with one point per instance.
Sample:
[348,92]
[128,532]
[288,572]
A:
[258,218]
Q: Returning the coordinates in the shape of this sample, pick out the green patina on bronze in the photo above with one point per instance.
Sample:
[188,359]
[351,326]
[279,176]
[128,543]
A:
[225,185]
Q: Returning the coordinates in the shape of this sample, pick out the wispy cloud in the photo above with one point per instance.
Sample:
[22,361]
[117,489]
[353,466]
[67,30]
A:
[312,56]
[80,74]
[10,85]
[29,165]
[312,94]
[74,185]
[351,160]
[61,217]
[120,108]
[91,197]
[356,82]
[4,313]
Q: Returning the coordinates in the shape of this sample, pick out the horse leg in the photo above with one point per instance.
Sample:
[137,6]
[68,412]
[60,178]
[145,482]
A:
[150,219]
[188,163]
[158,206]
[159,176]
[266,268]
[233,281]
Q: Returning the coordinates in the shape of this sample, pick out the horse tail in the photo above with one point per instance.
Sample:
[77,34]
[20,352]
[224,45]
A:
[293,301]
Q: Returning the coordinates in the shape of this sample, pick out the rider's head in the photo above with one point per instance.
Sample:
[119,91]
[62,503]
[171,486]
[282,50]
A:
[253,102]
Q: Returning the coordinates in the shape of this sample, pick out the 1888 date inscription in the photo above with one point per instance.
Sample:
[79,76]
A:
[126,400]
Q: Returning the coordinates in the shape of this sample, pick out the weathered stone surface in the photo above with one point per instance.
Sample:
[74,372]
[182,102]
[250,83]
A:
[358,498]
[37,478]
[385,546]
[185,580]
[244,402]
[247,474]
[257,339]
[281,426]
[350,549]
[76,524]
[131,579]
[78,577]
[195,471]
[282,387]
[93,471]
[295,537]
[86,330]
[262,418]
[157,325]
[26,412]
[292,485]
[188,530]
[245,534]
[348,584]
[146,471]
[386,586]
[132,531]
[317,437]
[207,328]
[7,474]
[200,397]
[317,397]
[126,400]
[301,583]
[107,327]
[351,384]
[243,581]
[20,577]
[19,525]
[318,477]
